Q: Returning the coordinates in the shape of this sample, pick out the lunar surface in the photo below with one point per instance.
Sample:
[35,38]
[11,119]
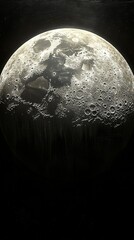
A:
[67,102]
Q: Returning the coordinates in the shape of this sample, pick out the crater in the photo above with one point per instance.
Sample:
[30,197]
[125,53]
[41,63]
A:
[87,64]
[53,100]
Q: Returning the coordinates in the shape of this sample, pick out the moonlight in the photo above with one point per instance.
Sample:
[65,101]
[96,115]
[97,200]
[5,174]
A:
[67,103]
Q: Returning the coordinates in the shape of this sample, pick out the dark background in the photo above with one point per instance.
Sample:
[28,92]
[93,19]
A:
[101,207]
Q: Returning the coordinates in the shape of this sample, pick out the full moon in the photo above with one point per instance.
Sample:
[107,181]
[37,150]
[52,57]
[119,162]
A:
[67,103]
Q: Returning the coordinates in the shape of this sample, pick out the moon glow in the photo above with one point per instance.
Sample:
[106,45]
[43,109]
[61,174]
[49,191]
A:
[70,88]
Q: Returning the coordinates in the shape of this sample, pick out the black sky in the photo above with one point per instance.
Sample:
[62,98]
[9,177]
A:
[100,208]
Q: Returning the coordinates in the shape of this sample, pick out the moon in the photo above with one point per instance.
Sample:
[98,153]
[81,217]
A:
[67,102]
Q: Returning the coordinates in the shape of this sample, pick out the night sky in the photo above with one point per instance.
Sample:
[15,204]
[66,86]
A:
[101,207]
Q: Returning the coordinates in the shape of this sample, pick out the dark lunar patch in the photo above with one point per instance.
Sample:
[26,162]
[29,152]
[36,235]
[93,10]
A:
[63,78]
[55,63]
[33,94]
[35,89]
[41,45]
[53,104]
[56,72]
